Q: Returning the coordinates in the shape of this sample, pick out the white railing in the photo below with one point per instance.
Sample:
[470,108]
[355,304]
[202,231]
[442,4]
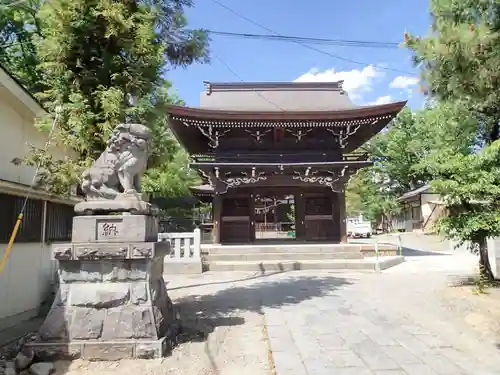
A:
[184,246]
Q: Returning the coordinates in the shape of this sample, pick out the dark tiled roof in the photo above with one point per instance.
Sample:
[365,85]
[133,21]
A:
[414,193]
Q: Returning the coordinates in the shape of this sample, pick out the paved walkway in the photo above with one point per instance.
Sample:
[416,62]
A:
[400,321]
[397,322]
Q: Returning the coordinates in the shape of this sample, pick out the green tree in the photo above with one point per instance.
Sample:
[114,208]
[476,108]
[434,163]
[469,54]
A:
[399,155]
[103,63]
[375,204]
[459,59]
[18,25]
[470,186]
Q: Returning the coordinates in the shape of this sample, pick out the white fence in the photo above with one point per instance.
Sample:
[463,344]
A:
[185,252]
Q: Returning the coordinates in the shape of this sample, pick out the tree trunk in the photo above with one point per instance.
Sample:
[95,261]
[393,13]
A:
[485,271]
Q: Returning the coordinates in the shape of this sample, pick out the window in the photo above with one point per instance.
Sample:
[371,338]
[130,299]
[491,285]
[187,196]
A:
[59,222]
[31,226]
[416,213]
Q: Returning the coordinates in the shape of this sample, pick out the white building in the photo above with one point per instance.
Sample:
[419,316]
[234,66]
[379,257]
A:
[421,209]
[27,276]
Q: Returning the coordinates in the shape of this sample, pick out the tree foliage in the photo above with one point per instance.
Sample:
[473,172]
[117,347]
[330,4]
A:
[365,195]
[102,62]
[460,58]
[399,155]
[18,26]
[470,186]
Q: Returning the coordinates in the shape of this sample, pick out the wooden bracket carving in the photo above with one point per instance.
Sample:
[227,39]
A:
[343,133]
[258,135]
[213,135]
[329,181]
[299,134]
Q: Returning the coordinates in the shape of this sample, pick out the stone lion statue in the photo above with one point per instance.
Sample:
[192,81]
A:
[120,167]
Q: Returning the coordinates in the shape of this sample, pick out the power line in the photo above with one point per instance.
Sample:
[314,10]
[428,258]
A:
[308,40]
[303,44]
[242,80]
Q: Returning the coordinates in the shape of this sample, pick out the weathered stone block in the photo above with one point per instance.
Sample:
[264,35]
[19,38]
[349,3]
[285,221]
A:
[73,271]
[91,271]
[138,292]
[62,252]
[86,323]
[92,251]
[99,295]
[51,351]
[115,228]
[129,322]
[56,324]
[100,251]
[108,351]
[138,270]
[149,350]
[62,295]
[115,270]
[69,271]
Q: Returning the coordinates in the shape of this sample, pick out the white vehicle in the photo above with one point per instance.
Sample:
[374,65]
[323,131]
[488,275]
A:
[357,228]
[362,230]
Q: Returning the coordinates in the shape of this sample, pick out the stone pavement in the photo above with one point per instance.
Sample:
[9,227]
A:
[399,321]
[396,322]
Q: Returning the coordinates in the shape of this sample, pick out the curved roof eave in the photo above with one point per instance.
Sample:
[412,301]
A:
[231,115]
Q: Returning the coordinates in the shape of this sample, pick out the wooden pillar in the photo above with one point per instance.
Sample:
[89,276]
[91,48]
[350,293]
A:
[252,217]
[342,217]
[300,216]
[217,218]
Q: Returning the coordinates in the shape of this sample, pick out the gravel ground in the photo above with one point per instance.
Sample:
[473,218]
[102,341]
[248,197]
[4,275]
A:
[221,340]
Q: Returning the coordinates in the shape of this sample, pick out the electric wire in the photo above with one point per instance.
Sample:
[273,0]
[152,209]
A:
[238,77]
[305,45]
[308,40]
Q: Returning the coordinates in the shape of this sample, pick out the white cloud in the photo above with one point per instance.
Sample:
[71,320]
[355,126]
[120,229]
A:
[381,100]
[356,81]
[403,82]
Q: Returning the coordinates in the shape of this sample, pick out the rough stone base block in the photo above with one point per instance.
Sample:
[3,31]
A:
[182,267]
[101,350]
[112,303]
[131,203]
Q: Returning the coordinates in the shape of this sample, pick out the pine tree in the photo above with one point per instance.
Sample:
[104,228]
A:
[459,59]
[103,62]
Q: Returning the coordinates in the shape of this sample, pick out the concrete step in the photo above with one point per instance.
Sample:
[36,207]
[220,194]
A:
[289,248]
[368,264]
[293,256]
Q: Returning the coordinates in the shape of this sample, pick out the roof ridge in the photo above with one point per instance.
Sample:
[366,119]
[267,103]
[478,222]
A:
[221,86]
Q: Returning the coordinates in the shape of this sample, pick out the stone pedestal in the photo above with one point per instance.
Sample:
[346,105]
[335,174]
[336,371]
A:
[112,301]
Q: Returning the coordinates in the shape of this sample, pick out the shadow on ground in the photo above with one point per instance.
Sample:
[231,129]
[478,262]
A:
[201,314]
[410,252]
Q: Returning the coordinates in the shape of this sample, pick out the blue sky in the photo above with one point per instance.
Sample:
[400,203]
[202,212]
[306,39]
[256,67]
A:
[259,60]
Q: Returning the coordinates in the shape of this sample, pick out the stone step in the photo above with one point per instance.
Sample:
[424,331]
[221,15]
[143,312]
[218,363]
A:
[294,256]
[368,264]
[258,249]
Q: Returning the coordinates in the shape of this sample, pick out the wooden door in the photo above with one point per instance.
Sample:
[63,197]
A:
[236,220]
[318,218]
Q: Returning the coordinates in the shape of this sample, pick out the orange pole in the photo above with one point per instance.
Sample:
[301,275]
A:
[11,241]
